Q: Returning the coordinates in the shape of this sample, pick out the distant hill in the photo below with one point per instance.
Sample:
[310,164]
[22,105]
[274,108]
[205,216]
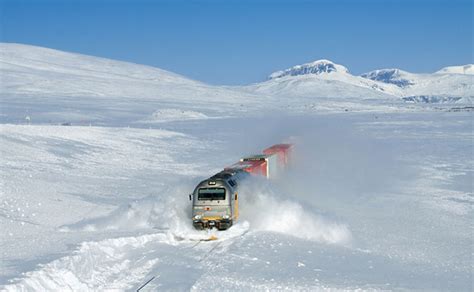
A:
[53,86]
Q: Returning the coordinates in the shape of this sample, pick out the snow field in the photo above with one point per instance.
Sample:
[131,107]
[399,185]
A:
[399,224]
[71,153]
[168,115]
[55,176]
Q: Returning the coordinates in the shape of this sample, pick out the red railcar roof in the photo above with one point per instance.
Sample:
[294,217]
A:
[277,148]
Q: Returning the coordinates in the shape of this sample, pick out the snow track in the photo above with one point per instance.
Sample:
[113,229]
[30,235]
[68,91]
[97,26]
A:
[123,263]
[110,264]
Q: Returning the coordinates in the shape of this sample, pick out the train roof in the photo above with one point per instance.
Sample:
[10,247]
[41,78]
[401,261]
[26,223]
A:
[226,173]
[277,148]
[222,175]
[257,157]
[242,165]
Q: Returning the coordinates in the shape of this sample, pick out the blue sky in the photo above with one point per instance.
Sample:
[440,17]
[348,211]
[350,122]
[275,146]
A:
[240,42]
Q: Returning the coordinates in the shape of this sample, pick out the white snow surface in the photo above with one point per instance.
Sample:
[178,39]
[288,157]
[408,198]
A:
[94,184]
[465,69]
[379,203]
[167,115]
[53,86]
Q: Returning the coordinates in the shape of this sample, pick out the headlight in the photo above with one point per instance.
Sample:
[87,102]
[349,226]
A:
[226,217]
[197,217]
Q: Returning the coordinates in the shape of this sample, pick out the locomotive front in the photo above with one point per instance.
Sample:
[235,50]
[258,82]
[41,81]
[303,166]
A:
[213,199]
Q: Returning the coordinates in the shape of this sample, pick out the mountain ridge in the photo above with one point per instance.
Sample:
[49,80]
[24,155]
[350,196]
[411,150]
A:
[37,71]
[317,67]
[449,84]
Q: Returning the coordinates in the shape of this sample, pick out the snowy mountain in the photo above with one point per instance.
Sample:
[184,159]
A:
[322,78]
[450,84]
[317,67]
[391,76]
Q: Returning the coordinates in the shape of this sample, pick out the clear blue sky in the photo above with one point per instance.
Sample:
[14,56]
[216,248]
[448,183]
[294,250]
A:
[240,42]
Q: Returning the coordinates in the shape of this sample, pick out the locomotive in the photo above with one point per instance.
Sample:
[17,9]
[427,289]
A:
[215,200]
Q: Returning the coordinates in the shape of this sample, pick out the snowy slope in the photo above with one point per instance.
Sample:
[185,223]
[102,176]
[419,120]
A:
[40,71]
[53,86]
[41,85]
[466,69]
[50,85]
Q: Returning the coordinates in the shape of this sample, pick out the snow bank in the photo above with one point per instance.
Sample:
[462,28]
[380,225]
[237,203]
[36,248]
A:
[95,266]
[165,210]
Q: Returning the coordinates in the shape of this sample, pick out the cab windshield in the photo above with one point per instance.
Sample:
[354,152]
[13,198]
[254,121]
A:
[211,194]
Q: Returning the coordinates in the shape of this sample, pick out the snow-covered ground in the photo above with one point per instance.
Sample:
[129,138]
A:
[375,201]
[94,185]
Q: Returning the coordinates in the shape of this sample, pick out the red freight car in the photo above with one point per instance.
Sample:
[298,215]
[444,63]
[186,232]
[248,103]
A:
[283,151]
[269,164]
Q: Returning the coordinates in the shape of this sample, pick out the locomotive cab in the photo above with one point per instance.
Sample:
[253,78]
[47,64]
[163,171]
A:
[215,201]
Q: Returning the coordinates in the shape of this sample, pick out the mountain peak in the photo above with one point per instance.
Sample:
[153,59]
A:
[317,67]
[392,76]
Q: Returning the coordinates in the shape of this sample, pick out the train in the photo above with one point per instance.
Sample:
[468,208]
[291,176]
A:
[215,201]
